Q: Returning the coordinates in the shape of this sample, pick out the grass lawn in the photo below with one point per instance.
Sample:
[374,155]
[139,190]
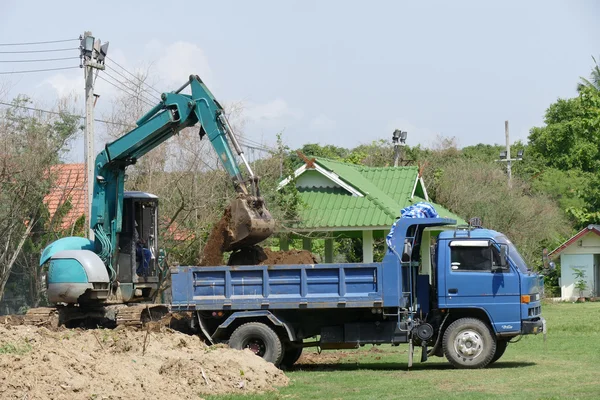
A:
[566,366]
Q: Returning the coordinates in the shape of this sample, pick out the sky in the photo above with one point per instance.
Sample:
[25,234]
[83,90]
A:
[329,72]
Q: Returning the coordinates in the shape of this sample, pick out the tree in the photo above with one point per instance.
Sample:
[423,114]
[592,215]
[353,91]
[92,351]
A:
[570,143]
[594,81]
[30,143]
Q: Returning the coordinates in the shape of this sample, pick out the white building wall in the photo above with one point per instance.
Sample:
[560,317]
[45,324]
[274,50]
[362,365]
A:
[588,244]
[567,263]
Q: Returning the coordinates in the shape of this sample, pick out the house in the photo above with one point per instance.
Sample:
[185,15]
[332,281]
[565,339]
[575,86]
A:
[356,201]
[68,187]
[582,251]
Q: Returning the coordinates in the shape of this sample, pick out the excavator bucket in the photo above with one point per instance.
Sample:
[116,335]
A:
[250,223]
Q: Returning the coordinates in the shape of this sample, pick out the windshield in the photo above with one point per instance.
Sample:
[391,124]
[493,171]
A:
[513,253]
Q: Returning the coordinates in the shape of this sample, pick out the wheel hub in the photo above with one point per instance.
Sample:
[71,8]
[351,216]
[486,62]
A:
[257,346]
[468,344]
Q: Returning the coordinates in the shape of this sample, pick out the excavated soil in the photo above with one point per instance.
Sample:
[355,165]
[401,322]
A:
[218,239]
[124,363]
[256,255]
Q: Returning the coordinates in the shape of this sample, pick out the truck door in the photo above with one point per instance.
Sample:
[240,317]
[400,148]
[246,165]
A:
[472,280]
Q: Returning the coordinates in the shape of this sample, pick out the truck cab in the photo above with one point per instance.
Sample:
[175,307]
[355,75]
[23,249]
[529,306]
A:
[471,274]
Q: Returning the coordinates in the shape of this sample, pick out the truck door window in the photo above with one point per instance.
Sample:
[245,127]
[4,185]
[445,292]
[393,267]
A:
[465,258]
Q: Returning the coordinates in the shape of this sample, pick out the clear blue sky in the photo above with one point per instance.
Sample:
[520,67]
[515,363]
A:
[334,72]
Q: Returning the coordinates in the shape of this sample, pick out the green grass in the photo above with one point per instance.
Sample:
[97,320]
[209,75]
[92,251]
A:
[566,366]
[18,349]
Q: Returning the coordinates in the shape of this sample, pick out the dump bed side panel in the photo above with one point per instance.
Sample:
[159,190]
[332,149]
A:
[280,286]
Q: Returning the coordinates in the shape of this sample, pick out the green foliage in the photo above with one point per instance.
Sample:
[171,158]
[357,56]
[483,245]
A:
[580,280]
[567,153]
[594,81]
[287,199]
[9,348]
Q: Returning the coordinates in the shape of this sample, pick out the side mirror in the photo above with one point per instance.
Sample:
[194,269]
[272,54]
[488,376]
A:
[504,256]
[503,259]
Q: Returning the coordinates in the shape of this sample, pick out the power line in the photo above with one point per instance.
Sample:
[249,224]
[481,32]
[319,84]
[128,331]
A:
[66,114]
[136,77]
[139,97]
[132,82]
[39,60]
[45,42]
[36,70]
[259,148]
[38,51]
[257,144]
[130,91]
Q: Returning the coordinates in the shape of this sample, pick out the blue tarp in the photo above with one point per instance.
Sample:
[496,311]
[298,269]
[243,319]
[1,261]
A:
[418,210]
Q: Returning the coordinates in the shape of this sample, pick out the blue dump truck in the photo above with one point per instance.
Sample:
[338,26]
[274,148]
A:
[475,295]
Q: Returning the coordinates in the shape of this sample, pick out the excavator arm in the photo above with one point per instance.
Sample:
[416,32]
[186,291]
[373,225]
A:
[250,221]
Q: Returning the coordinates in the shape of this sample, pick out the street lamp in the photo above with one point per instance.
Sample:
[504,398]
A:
[399,139]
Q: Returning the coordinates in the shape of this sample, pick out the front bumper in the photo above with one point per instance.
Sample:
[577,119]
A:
[533,327]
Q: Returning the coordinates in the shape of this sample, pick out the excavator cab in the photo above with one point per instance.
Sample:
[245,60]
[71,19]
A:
[138,244]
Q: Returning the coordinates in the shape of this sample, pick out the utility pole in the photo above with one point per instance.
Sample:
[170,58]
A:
[92,58]
[508,160]
[505,155]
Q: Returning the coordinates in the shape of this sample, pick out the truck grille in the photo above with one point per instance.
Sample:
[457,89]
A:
[533,311]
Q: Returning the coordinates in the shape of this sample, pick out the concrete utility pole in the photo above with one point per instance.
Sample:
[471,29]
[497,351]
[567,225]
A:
[505,155]
[92,57]
[508,160]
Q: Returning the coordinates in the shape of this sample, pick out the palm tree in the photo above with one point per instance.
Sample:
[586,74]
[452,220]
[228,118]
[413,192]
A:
[594,81]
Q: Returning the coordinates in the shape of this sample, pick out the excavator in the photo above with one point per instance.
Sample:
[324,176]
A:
[113,278]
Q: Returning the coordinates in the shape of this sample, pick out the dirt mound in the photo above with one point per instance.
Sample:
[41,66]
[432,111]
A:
[218,239]
[36,363]
[256,255]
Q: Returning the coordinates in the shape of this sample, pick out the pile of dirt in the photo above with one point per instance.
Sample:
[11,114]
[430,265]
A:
[124,363]
[256,255]
[218,240]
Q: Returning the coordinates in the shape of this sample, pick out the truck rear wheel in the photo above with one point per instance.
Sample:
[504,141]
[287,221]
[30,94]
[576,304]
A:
[259,338]
[468,343]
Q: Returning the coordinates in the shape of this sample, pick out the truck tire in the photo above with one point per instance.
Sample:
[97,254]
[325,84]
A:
[259,338]
[290,356]
[468,343]
[501,345]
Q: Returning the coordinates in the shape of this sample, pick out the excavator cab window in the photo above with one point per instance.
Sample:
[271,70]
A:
[138,240]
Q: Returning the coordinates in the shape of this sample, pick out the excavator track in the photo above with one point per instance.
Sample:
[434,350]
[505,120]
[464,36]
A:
[134,315]
[131,315]
[41,316]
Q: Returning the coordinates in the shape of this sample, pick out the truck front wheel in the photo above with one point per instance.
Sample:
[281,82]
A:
[259,338]
[468,343]
[501,345]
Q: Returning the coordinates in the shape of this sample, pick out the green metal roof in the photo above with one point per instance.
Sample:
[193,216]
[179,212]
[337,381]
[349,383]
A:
[386,191]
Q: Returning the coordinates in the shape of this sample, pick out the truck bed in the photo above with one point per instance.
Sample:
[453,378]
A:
[277,287]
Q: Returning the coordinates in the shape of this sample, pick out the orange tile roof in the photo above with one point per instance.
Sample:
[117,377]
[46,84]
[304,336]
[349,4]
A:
[68,185]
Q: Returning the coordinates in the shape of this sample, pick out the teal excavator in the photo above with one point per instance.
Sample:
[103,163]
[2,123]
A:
[114,277]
